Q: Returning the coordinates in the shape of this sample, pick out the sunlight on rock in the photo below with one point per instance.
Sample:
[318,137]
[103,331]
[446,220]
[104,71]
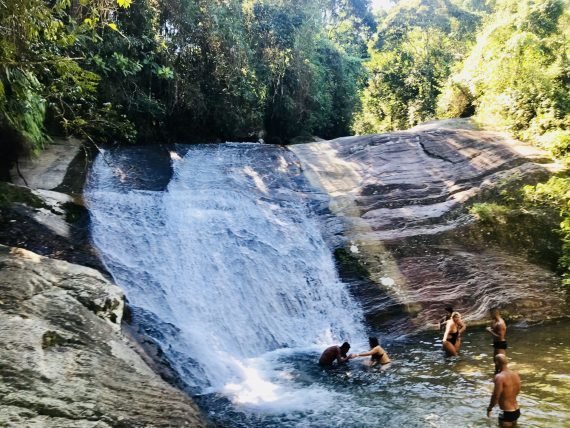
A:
[332,172]
[28,255]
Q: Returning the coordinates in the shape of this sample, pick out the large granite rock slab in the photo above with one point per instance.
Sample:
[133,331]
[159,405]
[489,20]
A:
[403,200]
[48,170]
[64,361]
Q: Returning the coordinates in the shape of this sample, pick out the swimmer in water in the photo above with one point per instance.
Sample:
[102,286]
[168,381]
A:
[447,317]
[507,387]
[452,335]
[499,332]
[333,353]
[377,354]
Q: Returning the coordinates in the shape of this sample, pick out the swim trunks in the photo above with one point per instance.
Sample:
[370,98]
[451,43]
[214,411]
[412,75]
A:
[510,416]
[500,345]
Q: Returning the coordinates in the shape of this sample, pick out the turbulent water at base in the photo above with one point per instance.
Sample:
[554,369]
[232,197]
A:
[225,264]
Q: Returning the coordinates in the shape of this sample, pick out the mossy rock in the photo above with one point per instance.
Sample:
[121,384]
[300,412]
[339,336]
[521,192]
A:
[10,194]
[350,265]
[52,338]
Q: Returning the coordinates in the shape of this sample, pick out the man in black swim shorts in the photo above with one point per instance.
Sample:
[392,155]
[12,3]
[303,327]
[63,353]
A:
[507,387]
[509,417]
[499,332]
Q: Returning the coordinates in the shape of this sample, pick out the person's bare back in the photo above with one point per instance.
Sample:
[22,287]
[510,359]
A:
[510,387]
[505,392]
[333,353]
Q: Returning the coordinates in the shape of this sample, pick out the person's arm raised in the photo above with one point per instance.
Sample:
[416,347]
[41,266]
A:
[461,327]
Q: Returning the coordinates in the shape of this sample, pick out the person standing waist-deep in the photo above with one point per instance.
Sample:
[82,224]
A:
[499,332]
[452,336]
[507,387]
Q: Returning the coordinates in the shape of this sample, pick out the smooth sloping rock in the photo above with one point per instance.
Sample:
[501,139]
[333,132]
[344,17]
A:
[48,170]
[50,224]
[402,197]
[63,359]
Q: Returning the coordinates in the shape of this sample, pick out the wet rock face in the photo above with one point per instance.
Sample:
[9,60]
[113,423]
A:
[63,359]
[404,199]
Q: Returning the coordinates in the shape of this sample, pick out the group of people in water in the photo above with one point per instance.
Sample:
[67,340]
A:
[507,383]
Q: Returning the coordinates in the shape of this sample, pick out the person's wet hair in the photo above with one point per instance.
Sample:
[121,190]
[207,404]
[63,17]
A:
[449,309]
[373,341]
[345,345]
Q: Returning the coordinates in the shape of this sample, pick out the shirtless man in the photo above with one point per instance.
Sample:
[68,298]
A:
[499,332]
[507,387]
[335,352]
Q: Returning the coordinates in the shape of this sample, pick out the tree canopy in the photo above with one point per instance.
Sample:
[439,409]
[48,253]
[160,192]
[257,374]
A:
[147,70]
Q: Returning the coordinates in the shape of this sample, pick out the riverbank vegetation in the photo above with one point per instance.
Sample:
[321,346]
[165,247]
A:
[162,70]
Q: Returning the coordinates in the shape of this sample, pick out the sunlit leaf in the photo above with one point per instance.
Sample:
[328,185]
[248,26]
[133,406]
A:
[124,3]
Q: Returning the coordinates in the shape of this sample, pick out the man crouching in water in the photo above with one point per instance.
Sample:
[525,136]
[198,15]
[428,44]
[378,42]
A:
[507,387]
[335,352]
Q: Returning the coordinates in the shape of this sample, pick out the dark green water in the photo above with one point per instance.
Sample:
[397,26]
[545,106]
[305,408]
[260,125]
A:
[421,388]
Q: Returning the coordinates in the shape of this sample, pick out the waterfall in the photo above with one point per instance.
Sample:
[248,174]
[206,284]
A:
[229,259]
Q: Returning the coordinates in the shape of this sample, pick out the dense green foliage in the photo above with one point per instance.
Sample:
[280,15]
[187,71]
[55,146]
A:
[507,62]
[517,77]
[518,73]
[416,47]
[555,193]
[533,220]
[127,70]
[46,84]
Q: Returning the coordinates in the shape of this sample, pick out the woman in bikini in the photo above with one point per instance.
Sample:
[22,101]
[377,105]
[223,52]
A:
[377,354]
[452,335]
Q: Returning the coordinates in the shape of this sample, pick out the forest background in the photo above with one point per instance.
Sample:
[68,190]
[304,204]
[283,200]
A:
[148,71]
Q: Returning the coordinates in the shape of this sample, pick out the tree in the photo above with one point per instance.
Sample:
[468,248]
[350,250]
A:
[417,46]
[42,71]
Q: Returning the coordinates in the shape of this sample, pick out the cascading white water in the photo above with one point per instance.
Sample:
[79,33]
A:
[230,255]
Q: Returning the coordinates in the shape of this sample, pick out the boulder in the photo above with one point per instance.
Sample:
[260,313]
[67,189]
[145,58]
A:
[64,361]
